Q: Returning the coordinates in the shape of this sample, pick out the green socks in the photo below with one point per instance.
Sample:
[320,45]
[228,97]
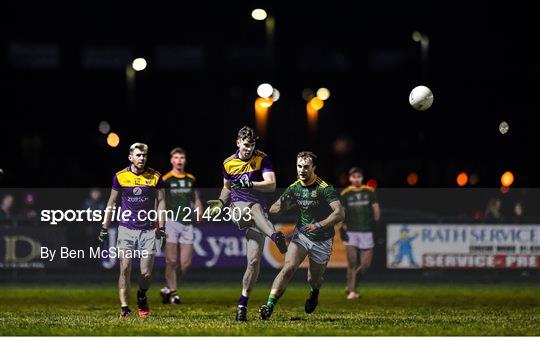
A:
[272,300]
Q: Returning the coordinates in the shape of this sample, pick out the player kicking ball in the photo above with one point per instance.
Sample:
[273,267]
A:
[319,210]
[181,197]
[246,176]
[362,212]
[140,190]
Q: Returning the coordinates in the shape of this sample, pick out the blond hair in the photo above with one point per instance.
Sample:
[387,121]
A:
[137,145]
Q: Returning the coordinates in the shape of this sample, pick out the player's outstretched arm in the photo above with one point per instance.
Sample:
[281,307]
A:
[268,184]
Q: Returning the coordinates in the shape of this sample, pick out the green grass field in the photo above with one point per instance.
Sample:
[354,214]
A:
[208,309]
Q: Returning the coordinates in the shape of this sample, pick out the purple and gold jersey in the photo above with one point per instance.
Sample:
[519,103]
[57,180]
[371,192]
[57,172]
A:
[137,192]
[234,169]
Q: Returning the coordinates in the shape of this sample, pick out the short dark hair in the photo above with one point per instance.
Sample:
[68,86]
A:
[354,170]
[308,154]
[247,133]
[177,150]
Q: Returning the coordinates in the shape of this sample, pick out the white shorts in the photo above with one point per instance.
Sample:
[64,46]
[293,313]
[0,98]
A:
[319,251]
[179,233]
[360,240]
[131,239]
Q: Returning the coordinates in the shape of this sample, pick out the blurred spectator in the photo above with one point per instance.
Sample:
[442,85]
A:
[6,207]
[94,201]
[493,211]
[29,211]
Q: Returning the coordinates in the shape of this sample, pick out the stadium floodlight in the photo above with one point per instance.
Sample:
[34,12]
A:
[265,90]
[316,103]
[412,178]
[113,140]
[104,127]
[276,95]
[504,127]
[139,64]
[462,179]
[263,102]
[259,14]
[507,179]
[323,93]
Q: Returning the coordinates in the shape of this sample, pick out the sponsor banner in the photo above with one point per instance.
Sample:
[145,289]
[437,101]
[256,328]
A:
[432,260]
[224,245]
[21,246]
[449,246]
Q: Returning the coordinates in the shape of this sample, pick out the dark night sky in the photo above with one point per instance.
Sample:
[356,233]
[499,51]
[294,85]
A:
[483,69]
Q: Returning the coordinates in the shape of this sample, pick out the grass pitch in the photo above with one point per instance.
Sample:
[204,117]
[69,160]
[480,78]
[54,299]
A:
[208,309]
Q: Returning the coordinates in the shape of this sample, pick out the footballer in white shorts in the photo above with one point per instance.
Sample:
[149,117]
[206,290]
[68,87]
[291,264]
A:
[362,212]
[179,233]
[360,240]
[136,240]
[184,201]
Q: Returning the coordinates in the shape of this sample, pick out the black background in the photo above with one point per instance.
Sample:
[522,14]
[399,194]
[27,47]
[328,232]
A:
[483,69]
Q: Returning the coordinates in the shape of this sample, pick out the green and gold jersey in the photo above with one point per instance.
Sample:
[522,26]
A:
[180,193]
[313,202]
[358,202]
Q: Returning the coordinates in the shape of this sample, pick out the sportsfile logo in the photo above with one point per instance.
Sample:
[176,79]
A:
[119,215]
[53,217]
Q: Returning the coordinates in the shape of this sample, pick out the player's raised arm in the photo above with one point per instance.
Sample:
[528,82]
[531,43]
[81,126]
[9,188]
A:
[268,184]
